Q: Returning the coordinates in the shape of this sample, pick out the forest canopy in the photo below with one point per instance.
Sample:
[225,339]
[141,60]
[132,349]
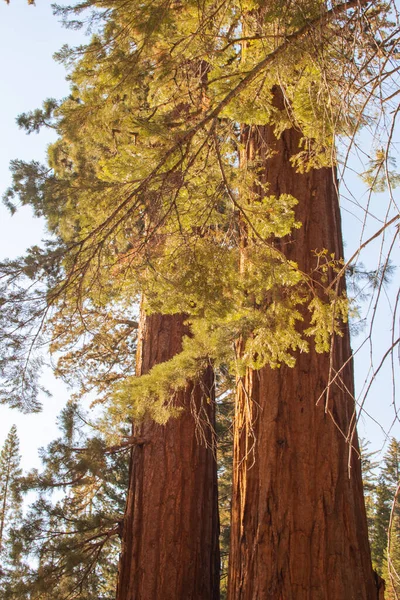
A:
[142,194]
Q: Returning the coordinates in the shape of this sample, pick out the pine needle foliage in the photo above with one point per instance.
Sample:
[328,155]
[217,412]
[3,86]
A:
[10,504]
[383,513]
[387,521]
[143,196]
[69,538]
[368,467]
[10,492]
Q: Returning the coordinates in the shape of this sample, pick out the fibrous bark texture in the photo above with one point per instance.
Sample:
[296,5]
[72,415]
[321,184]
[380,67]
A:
[299,528]
[170,533]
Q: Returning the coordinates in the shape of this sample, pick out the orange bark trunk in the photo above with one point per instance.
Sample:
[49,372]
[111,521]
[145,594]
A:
[170,533]
[299,529]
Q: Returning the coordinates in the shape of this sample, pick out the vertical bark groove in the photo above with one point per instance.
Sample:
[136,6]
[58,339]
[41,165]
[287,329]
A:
[299,528]
[170,534]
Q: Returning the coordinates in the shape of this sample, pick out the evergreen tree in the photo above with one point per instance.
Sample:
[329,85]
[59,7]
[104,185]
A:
[391,466]
[170,528]
[10,482]
[69,539]
[368,468]
[286,523]
[380,524]
[383,513]
[391,562]
[10,504]
[385,530]
[147,194]
[104,250]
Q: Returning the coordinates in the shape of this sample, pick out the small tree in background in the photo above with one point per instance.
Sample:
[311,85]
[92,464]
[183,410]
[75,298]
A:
[369,476]
[10,496]
[70,539]
[10,501]
[387,522]
[383,514]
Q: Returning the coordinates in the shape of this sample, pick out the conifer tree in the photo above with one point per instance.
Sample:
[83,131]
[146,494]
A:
[390,471]
[383,514]
[369,477]
[298,419]
[10,506]
[380,524]
[147,196]
[10,482]
[391,562]
[171,552]
[385,529]
[69,538]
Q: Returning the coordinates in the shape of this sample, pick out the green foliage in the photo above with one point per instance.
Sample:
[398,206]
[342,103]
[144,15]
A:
[380,526]
[391,563]
[368,468]
[35,120]
[69,537]
[381,173]
[10,476]
[28,186]
[10,504]
[381,501]
[386,540]
[144,192]
[327,319]
[23,307]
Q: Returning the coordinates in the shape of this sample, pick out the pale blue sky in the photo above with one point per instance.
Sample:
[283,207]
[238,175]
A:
[28,38]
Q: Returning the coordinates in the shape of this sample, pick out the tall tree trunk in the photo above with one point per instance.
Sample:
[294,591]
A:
[299,529]
[170,533]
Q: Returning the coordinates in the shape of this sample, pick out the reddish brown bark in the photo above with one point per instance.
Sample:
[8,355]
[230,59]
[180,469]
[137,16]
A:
[170,533]
[299,528]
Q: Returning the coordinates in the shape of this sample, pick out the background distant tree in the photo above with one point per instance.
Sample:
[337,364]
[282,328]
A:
[390,470]
[10,503]
[10,485]
[369,476]
[386,529]
[379,534]
[391,563]
[69,538]
[381,481]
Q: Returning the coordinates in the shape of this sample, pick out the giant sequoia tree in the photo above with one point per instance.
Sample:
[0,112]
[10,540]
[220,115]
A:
[170,530]
[298,519]
[195,169]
